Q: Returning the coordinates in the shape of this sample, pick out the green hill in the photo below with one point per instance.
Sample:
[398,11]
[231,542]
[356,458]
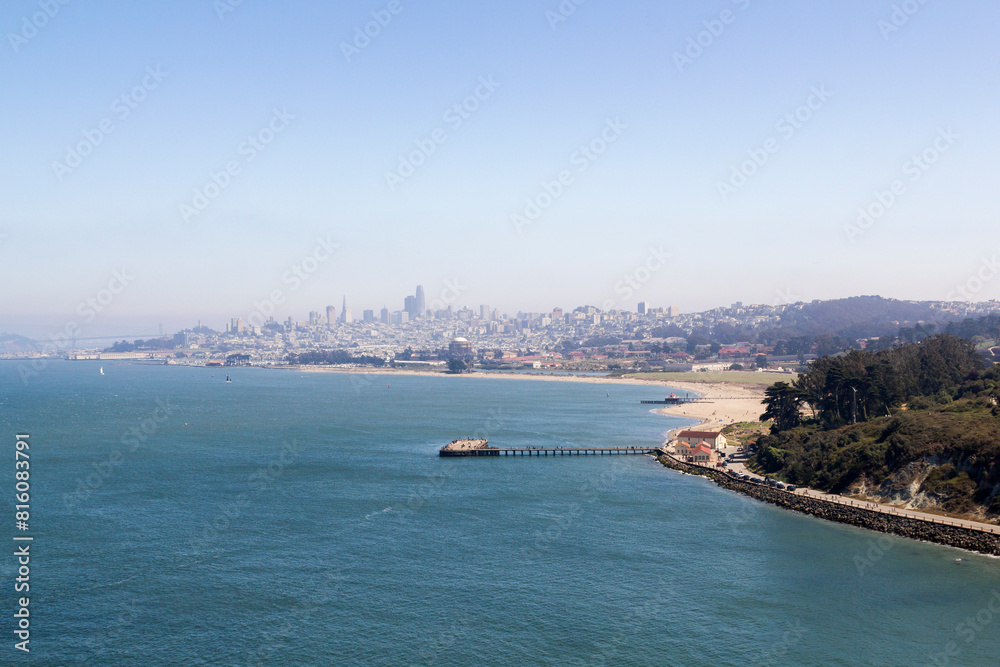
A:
[937,448]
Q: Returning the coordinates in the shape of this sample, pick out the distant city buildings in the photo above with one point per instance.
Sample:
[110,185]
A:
[583,338]
[421,304]
[415,306]
[345,313]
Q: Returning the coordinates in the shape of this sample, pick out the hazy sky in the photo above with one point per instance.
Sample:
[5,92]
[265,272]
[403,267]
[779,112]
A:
[642,109]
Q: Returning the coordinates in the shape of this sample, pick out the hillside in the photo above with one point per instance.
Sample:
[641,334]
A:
[858,317]
[14,344]
[938,451]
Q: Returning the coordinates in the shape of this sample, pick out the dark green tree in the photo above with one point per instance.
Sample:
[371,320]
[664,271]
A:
[783,402]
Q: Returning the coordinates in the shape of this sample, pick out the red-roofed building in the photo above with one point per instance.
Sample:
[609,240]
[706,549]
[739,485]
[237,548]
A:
[700,453]
[712,438]
[703,453]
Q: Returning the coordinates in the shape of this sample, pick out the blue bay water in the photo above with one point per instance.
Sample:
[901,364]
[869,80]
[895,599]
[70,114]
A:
[305,518]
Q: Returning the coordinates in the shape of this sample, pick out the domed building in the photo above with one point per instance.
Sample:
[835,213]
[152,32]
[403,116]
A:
[460,347]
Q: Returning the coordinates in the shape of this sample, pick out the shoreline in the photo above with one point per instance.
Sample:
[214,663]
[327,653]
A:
[734,402]
[955,532]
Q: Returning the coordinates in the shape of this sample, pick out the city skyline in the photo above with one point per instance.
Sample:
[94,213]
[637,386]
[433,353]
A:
[707,154]
[960,306]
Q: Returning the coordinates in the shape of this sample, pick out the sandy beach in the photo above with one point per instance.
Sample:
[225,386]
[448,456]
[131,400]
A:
[730,402]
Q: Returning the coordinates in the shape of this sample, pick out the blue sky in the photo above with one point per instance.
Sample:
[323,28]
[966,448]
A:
[789,230]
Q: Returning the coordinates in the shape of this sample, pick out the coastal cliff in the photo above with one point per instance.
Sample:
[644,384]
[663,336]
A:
[940,533]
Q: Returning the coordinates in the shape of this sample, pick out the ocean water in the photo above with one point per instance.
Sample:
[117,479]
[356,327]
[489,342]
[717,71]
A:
[294,518]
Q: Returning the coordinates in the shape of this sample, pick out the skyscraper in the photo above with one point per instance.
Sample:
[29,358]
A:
[345,312]
[421,303]
[331,314]
[384,315]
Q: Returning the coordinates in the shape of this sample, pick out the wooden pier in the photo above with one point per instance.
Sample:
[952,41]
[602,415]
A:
[674,399]
[548,451]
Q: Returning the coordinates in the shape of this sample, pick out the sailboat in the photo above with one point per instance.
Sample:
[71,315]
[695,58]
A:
[228,379]
[102,370]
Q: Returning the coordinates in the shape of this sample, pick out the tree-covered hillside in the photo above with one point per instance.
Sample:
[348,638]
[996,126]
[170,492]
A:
[927,431]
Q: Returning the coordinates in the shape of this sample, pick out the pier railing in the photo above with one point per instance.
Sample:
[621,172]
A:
[547,451]
[879,508]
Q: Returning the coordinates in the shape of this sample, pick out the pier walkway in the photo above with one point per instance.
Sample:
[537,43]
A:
[548,451]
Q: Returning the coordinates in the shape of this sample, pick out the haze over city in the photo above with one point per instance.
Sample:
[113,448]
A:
[523,332]
[537,154]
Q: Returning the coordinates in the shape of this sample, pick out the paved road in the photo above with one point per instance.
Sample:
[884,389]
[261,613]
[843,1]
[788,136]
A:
[876,507]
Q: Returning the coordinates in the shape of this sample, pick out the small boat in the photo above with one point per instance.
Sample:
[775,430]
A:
[228,379]
[102,370]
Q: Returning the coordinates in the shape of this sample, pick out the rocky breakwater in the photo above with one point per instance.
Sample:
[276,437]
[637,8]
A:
[906,526]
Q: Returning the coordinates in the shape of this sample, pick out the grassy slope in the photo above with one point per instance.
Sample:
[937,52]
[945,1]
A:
[961,438]
[734,377]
